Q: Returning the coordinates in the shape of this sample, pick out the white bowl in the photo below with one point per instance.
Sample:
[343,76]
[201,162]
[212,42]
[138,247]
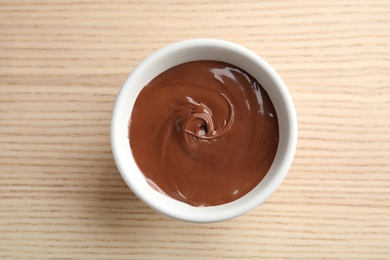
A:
[191,50]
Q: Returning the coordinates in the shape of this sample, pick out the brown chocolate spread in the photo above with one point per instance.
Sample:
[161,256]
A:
[204,132]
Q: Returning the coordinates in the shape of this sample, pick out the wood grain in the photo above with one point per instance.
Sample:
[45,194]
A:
[62,64]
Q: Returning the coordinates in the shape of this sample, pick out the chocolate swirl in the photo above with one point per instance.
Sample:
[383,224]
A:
[204,133]
[200,120]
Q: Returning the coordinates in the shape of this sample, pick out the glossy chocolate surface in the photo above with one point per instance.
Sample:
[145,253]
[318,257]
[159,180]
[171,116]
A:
[204,132]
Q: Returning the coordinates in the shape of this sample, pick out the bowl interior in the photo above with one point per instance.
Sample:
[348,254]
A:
[203,49]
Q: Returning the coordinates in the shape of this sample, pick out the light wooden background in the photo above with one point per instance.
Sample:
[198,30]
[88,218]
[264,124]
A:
[62,64]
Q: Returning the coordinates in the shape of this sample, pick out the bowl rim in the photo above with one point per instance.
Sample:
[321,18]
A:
[212,213]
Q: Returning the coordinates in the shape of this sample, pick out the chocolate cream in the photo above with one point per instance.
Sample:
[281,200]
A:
[204,133]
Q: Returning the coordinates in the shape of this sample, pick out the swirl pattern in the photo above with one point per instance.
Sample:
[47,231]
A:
[199,122]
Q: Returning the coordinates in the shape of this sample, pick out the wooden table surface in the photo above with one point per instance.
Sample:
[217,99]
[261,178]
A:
[62,64]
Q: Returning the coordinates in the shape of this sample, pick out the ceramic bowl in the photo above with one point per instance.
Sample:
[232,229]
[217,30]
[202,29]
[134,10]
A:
[192,50]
